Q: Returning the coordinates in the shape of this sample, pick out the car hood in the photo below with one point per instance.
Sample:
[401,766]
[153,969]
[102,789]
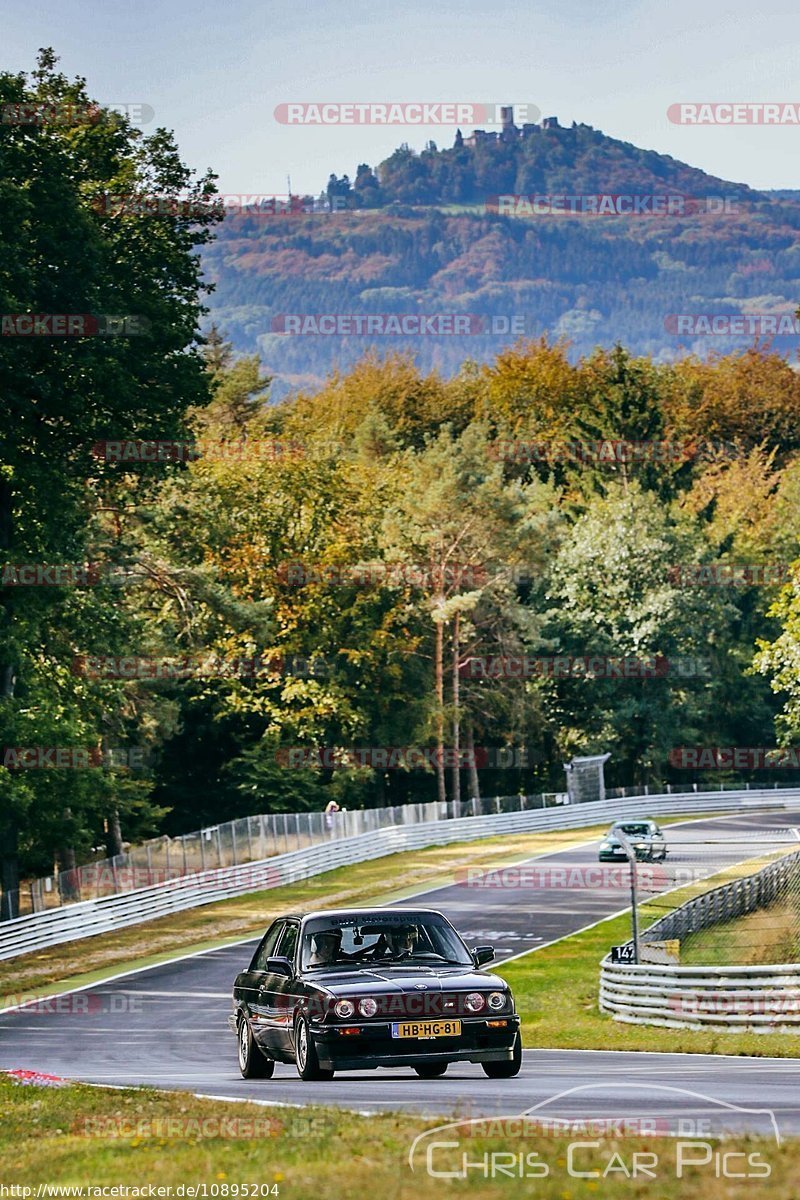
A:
[638,837]
[403,979]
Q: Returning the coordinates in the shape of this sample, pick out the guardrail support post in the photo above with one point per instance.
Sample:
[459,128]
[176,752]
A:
[631,856]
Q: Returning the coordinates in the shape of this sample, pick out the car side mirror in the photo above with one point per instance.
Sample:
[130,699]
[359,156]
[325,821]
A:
[280,966]
[483,954]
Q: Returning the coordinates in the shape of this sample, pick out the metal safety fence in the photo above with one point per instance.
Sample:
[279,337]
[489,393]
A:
[743,943]
[266,835]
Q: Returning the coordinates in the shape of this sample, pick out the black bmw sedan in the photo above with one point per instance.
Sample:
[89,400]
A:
[365,988]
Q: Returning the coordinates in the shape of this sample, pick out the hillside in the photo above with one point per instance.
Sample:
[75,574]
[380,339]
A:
[422,234]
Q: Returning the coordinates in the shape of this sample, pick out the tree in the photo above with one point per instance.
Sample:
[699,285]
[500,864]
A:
[67,250]
[240,394]
[217,353]
[614,596]
[465,529]
[751,398]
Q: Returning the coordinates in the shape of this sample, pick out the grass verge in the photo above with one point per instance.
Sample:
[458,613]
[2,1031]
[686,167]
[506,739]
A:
[769,935]
[93,1137]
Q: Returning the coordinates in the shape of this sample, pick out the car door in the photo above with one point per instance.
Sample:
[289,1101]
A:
[254,981]
[282,991]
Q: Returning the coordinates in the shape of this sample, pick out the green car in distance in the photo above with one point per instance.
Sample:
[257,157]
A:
[645,836]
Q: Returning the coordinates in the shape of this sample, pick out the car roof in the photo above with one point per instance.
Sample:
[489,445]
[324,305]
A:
[371,912]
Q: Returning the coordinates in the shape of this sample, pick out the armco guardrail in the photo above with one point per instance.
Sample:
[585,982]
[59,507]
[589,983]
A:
[722,998]
[765,998]
[40,930]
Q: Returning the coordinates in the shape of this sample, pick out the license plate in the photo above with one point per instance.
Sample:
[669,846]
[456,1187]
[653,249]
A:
[425,1029]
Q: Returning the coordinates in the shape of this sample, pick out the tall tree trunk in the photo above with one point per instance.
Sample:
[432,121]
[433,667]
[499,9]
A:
[9,870]
[439,670]
[67,872]
[474,785]
[456,716]
[114,839]
[9,832]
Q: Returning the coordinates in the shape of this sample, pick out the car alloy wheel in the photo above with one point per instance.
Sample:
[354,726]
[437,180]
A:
[306,1053]
[506,1070]
[252,1063]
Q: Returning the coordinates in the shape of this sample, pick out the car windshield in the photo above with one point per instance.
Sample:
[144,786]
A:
[368,939]
[640,830]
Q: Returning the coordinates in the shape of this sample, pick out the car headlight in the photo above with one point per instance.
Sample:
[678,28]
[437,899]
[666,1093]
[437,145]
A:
[640,845]
[606,845]
[368,1007]
[496,1000]
[344,1009]
[474,1002]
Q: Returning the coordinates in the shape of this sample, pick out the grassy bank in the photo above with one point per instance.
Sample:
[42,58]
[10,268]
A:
[770,935]
[84,1136]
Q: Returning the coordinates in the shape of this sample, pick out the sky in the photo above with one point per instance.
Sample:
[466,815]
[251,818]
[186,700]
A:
[214,71]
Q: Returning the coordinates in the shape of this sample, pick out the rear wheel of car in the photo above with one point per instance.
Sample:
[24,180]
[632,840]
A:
[506,1070]
[431,1070]
[252,1063]
[305,1053]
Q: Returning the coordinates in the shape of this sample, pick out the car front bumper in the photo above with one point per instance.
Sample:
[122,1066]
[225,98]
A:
[621,856]
[374,1046]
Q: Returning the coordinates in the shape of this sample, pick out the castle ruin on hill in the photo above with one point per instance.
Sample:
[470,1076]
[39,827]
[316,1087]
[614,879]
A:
[509,132]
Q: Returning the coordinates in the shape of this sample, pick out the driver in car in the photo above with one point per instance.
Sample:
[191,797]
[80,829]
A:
[396,942]
[326,947]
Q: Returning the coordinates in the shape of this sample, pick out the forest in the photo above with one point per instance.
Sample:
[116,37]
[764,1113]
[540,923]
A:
[397,584]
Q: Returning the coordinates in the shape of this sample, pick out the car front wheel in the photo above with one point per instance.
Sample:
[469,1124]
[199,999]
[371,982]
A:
[252,1063]
[506,1070]
[431,1070]
[305,1053]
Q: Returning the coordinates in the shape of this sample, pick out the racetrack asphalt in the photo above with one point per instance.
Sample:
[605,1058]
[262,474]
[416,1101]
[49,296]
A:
[166,1026]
